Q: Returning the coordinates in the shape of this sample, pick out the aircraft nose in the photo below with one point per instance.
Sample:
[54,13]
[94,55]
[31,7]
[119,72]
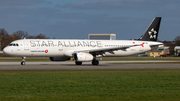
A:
[6,50]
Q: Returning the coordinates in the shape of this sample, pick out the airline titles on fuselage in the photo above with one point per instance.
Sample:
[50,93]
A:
[34,43]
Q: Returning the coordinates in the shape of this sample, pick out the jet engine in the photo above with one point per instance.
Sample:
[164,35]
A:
[82,57]
[63,58]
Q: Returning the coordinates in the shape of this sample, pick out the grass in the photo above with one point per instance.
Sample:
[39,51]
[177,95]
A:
[115,85]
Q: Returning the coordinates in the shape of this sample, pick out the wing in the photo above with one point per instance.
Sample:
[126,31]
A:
[110,50]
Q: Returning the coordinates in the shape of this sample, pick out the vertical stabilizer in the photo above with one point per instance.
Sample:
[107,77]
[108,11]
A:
[152,31]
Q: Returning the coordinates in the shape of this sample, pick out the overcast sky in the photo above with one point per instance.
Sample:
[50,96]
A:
[66,19]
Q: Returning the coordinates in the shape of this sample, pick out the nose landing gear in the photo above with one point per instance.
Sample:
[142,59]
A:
[23,61]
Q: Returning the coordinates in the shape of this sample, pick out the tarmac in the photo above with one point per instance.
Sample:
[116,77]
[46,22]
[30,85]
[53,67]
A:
[103,65]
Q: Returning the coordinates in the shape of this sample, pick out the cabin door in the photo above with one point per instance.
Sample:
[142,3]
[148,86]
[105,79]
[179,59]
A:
[26,45]
[60,48]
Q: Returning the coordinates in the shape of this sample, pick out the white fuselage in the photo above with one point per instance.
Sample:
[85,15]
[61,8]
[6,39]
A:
[58,48]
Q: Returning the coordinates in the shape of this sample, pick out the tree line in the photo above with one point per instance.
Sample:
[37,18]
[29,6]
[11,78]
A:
[172,44]
[6,39]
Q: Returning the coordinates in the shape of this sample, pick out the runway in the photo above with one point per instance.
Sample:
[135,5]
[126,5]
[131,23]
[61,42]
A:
[104,65]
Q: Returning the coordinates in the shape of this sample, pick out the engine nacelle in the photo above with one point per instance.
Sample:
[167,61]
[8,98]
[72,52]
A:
[82,57]
[63,58]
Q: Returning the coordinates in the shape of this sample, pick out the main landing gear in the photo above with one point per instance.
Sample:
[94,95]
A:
[23,61]
[94,62]
[78,63]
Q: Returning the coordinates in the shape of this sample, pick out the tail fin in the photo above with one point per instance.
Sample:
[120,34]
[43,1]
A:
[151,32]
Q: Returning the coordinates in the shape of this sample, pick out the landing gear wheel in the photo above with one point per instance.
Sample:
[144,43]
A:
[78,63]
[95,62]
[23,63]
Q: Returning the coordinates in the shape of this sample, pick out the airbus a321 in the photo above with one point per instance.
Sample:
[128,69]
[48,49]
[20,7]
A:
[85,50]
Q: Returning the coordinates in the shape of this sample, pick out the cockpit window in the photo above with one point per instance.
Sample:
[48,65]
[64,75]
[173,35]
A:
[13,44]
[10,45]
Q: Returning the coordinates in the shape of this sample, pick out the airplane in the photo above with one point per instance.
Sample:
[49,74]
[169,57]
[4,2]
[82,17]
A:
[85,50]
